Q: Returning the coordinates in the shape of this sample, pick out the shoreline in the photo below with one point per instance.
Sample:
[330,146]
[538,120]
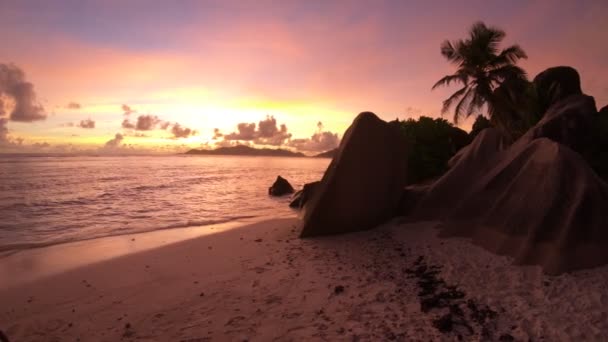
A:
[7,250]
[261,282]
[54,258]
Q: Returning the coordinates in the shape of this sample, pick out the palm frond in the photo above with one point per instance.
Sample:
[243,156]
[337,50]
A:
[446,80]
[486,39]
[450,100]
[464,102]
[508,72]
[450,51]
[510,55]
[495,37]
[476,102]
[483,68]
[513,53]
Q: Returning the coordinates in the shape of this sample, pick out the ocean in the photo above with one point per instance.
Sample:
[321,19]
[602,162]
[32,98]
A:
[47,200]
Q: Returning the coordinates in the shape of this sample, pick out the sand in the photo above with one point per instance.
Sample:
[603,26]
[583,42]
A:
[260,282]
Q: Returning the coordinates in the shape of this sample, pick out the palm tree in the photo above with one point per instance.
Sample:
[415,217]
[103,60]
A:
[515,107]
[481,69]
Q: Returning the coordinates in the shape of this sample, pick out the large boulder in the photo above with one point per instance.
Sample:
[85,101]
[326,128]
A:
[486,143]
[364,182]
[567,121]
[280,187]
[555,84]
[541,204]
[595,153]
[438,199]
[537,201]
[301,197]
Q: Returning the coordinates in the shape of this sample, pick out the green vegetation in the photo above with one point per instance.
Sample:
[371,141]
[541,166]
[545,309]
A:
[432,142]
[481,69]
[515,107]
[481,123]
[491,82]
[490,79]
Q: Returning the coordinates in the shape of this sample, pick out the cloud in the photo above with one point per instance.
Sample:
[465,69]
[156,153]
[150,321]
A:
[138,135]
[217,134]
[270,134]
[88,123]
[127,124]
[144,123]
[3,131]
[246,131]
[5,140]
[268,128]
[164,125]
[126,110]
[181,132]
[266,133]
[115,142]
[73,105]
[13,85]
[150,122]
[147,122]
[318,142]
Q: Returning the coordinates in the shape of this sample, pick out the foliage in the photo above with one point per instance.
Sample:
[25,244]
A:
[481,69]
[595,153]
[515,107]
[481,123]
[432,142]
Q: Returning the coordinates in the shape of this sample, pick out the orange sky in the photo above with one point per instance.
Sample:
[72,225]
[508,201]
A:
[206,65]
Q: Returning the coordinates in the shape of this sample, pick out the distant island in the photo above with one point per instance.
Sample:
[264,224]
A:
[242,150]
[328,154]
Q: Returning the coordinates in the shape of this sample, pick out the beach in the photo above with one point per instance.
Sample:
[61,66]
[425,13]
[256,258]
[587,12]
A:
[260,282]
[303,171]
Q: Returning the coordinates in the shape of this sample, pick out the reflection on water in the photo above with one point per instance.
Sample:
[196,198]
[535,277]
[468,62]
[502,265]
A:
[46,200]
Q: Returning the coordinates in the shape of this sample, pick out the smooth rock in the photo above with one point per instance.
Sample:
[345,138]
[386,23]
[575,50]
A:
[280,187]
[364,182]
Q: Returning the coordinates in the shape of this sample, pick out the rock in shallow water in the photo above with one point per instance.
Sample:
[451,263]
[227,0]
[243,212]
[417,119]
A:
[301,197]
[280,187]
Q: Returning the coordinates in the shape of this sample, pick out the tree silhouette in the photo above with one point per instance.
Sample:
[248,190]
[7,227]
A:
[481,69]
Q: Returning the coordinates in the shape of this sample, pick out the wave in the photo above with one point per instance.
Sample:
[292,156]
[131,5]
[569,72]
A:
[10,249]
[47,204]
[195,223]
[113,178]
[151,187]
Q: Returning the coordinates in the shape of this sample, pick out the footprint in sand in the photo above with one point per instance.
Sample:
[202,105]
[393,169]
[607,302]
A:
[235,321]
[260,270]
[273,299]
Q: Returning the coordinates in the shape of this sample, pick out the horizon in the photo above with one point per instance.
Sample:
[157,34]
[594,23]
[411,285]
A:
[255,170]
[135,152]
[111,77]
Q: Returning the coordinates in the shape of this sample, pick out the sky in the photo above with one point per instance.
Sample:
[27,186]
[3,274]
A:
[167,76]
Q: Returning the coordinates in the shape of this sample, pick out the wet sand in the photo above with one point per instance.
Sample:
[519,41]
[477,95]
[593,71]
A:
[260,282]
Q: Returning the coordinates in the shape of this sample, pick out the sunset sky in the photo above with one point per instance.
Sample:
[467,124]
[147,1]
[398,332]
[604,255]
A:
[172,75]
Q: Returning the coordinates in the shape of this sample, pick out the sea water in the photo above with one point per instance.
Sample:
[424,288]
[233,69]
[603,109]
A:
[47,200]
